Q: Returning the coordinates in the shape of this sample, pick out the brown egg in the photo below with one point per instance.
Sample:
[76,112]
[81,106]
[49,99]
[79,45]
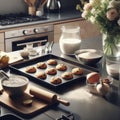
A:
[4,60]
[93,77]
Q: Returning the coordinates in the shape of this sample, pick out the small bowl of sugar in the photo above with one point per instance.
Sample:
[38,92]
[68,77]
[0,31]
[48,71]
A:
[89,56]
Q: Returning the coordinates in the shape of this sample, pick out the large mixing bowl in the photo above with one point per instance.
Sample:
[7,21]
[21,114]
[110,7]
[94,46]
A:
[15,85]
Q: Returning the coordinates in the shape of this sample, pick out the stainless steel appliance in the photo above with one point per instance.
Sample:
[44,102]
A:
[17,39]
[10,19]
[53,5]
[37,35]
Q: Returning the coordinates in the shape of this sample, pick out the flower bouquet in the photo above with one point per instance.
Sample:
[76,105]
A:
[105,14]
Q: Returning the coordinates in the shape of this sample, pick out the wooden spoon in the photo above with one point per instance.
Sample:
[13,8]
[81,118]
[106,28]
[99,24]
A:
[42,3]
[32,2]
[28,2]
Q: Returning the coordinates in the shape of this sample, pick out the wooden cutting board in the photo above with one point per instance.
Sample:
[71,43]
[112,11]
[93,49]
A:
[14,56]
[16,105]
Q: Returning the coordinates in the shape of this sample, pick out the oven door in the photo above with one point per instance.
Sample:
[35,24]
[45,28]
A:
[19,43]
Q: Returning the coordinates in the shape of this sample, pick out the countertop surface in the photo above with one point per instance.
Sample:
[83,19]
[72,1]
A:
[52,17]
[83,105]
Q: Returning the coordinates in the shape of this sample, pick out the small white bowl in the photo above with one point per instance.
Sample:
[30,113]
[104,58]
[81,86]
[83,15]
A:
[15,85]
[89,56]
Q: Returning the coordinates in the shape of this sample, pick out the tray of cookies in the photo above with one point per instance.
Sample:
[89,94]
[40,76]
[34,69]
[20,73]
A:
[52,71]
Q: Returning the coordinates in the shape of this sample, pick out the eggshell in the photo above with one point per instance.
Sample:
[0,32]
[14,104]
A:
[93,77]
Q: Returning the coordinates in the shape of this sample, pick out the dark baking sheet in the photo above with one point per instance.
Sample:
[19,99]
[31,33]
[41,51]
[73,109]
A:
[20,69]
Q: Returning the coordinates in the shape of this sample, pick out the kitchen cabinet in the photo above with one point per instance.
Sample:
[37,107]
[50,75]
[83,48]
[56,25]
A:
[2,41]
[87,30]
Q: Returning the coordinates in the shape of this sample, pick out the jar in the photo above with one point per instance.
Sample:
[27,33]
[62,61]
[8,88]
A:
[69,40]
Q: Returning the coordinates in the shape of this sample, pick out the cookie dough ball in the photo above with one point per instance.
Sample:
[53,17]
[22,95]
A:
[77,71]
[51,71]
[55,80]
[41,65]
[67,75]
[61,67]
[41,75]
[31,69]
[52,62]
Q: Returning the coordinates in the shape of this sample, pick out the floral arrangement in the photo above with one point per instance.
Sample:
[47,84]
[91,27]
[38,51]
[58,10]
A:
[105,14]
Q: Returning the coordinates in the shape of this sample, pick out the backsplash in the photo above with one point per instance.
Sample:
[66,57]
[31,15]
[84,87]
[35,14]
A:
[17,6]
[12,6]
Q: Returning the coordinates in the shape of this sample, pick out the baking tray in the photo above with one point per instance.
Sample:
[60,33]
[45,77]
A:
[20,69]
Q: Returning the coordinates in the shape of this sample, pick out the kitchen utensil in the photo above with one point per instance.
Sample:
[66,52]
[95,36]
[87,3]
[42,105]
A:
[3,75]
[28,2]
[31,10]
[66,117]
[40,12]
[32,2]
[53,5]
[47,96]
[48,47]
[41,4]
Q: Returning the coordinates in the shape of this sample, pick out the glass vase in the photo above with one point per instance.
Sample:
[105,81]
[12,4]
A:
[111,48]
[113,71]
[111,44]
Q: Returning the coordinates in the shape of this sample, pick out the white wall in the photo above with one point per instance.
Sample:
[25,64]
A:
[12,6]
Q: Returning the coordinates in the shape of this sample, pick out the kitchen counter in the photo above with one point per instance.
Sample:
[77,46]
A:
[52,18]
[83,105]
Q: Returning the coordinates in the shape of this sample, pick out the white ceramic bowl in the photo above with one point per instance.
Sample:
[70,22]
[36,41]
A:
[15,85]
[89,56]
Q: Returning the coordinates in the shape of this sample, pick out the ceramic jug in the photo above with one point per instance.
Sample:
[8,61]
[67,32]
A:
[70,40]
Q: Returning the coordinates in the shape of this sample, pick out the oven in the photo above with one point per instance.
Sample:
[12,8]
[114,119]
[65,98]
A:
[36,35]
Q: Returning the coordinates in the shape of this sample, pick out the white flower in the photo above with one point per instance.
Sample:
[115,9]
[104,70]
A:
[114,3]
[112,14]
[87,6]
[103,1]
[84,14]
[118,22]
[94,2]
[104,13]
[93,11]
[92,19]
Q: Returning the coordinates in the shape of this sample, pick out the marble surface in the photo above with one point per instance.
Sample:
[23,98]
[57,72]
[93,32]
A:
[84,105]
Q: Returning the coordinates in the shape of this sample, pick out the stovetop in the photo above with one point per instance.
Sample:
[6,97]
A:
[10,19]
